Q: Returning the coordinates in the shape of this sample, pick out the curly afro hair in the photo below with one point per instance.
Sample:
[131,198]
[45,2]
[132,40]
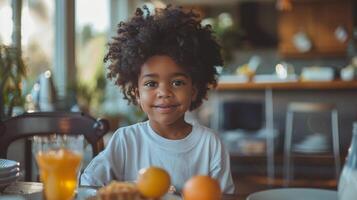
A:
[171,31]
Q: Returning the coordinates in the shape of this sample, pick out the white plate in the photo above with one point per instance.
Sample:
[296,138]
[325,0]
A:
[166,197]
[294,194]
[11,172]
[171,197]
[84,192]
[7,165]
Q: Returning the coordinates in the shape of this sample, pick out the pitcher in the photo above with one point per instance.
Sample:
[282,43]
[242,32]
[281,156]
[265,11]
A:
[347,187]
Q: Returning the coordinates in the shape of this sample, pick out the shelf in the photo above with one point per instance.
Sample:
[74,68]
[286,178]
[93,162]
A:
[298,85]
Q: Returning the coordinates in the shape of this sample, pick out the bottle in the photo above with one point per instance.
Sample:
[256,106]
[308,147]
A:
[347,186]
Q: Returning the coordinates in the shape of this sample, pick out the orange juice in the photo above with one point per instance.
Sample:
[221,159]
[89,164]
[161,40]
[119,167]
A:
[59,173]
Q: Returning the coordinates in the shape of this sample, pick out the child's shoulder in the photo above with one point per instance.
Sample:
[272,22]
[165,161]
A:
[203,128]
[131,130]
[207,136]
[206,131]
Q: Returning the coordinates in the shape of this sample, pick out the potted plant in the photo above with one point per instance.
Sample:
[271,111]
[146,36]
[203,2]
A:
[12,71]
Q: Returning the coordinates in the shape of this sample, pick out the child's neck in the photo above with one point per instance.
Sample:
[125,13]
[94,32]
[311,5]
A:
[175,131]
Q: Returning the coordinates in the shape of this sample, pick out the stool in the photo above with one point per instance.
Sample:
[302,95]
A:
[302,107]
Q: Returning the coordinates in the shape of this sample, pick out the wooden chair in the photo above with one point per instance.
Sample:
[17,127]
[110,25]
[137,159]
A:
[47,123]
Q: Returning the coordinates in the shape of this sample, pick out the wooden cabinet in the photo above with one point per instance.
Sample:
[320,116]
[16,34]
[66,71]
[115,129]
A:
[318,19]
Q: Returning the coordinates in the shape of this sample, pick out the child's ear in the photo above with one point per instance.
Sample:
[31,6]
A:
[137,95]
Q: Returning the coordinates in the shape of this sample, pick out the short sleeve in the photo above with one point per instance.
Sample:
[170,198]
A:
[220,168]
[100,171]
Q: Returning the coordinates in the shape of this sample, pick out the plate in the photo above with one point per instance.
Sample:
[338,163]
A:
[294,194]
[7,165]
[84,192]
[8,173]
[171,197]
[165,197]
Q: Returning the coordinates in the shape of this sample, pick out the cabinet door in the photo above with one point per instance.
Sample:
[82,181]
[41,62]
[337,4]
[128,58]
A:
[318,20]
[327,19]
[299,19]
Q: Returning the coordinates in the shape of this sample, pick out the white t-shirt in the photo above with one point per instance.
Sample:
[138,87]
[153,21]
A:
[137,146]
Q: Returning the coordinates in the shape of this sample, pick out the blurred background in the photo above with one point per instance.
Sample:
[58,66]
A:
[275,52]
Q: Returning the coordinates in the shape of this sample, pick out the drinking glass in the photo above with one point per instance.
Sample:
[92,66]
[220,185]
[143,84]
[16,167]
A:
[59,159]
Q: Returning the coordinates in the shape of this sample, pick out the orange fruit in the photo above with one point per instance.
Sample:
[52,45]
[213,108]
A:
[201,188]
[153,182]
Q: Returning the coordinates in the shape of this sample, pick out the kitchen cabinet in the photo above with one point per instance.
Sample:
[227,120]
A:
[323,28]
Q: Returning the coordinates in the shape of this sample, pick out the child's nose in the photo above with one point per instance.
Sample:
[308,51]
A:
[164,91]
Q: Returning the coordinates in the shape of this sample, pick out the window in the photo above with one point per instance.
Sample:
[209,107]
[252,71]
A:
[37,37]
[5,22]
[92,27]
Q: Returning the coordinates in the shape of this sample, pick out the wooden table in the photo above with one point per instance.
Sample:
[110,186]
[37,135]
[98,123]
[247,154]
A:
[33,191]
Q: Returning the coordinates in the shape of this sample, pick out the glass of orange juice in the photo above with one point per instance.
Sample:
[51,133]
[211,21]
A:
[59,160]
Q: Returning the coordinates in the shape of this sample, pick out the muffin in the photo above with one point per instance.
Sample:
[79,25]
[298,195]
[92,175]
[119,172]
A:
[120,191]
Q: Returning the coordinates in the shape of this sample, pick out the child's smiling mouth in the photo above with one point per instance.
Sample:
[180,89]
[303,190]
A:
[165,108]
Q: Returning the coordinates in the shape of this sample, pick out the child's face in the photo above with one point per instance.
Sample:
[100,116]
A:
[165,90]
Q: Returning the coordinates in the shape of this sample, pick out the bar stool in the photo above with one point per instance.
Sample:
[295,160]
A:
[309,108]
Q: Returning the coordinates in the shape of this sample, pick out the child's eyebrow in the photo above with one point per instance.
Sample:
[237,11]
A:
[180,74]
[153,75]
[150,75]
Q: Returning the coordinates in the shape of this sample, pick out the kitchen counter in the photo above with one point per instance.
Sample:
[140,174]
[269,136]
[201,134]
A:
[296,85]
[276,95]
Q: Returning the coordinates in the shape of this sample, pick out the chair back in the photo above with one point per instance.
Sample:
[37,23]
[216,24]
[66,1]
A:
[47,123]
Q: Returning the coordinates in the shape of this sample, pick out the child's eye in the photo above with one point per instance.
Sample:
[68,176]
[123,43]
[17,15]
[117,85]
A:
[177,83]
[150,84]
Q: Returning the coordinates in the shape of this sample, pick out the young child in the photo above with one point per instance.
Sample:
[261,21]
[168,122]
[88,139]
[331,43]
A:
[164,63]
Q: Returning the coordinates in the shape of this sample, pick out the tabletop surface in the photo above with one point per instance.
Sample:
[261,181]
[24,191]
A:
[33,190]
